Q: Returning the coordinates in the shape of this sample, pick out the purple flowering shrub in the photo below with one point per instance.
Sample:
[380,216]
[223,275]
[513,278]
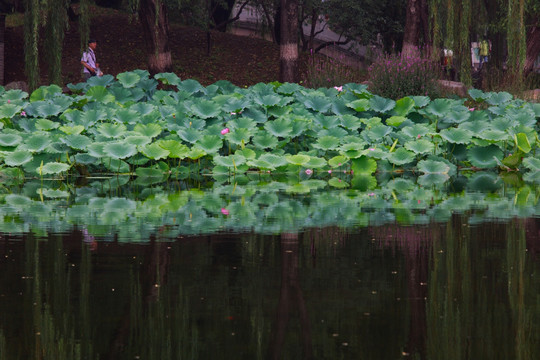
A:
[395,77]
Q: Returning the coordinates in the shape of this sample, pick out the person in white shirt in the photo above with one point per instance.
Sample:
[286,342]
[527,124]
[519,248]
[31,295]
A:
[88,61]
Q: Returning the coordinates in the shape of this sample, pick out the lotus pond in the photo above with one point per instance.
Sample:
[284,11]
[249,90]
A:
[153,218]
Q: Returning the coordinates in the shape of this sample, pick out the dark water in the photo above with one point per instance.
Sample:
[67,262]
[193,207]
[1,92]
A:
[445,290]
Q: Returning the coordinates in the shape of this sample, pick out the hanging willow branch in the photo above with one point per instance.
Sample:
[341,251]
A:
[54,38]
[516,36]
[84,23]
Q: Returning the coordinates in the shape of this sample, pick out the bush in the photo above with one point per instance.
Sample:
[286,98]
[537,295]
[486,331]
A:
[395,77]
[325,71]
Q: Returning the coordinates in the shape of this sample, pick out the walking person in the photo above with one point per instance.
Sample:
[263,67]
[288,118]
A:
[88,61]
[485,48]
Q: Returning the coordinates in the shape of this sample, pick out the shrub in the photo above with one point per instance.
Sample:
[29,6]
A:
[325,71]
[395,77]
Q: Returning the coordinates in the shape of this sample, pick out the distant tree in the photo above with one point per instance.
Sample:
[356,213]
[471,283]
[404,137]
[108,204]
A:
[288,46]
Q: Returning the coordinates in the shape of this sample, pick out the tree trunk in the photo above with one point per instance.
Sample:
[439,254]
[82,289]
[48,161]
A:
[412,29]
[156,32]
[288,45]
[533,47]
[2,47]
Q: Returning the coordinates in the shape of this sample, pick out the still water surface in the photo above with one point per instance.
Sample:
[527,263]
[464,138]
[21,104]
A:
[451,288]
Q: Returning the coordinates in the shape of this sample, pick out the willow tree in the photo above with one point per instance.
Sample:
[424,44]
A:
[50,15]
[288,46]
[516,36]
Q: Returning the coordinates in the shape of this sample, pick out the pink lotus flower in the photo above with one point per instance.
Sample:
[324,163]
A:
[309,171]
[329,171]
[23,113]
[471,109]
[371,149]
[8,101]
[419,136]
[338,88]
[224,211]
[371,194]
[225,131]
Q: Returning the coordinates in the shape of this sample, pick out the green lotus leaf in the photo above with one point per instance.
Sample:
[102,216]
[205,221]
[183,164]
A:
[143,108]
[381,105]
[350,122]
[498,98]
[242,123]
[54,168]
[395,121]
[352,150]
[138,140]
[327,122]
[503,123]
[121,94]
[168,78]
[280,127]
[249,154]
[120,150]
[265,141]
[267,100]
[210,143]
[532,164]
[456,135]
[318,103]
[18,158]
[100,94]
[457,115]
[77,141]
[189,135]
[327,143]
[484,182]
[401,156]
[421,146]
[102,81]
[18,201]
[196,153]
[175,148]
[86,159]
[433,167]
[205,109]
[53,194]
[477,94]
[439,107]
[432,180]
[338,183]
[46,124]
[116,166]
[96,150]
[268,161]
[485,156]
[403,106]
[298,159]
[401,185]
[522,142]
[378,132]
[14,95]
[493,135]
[239,136]
[338,161]
[112,130]
[36,142]
[128,79]
[154,151]
[288,88]
[417,130]
[475,127]
[364,165]
[336,132]
[363,182]
[190,86]
[7,111]
[46,109]
[69,130]
[420,101]
[359,105]
[10,139]
[316,163]
[150,130]
[229,161]
[376,153]
[235,105]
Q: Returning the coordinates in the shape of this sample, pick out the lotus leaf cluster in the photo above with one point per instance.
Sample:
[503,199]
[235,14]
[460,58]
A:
[149,126]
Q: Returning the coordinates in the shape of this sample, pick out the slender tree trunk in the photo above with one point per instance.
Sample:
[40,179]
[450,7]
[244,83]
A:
[412,29]
[533,46]
[2,55]
[288,45]
[155,23]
